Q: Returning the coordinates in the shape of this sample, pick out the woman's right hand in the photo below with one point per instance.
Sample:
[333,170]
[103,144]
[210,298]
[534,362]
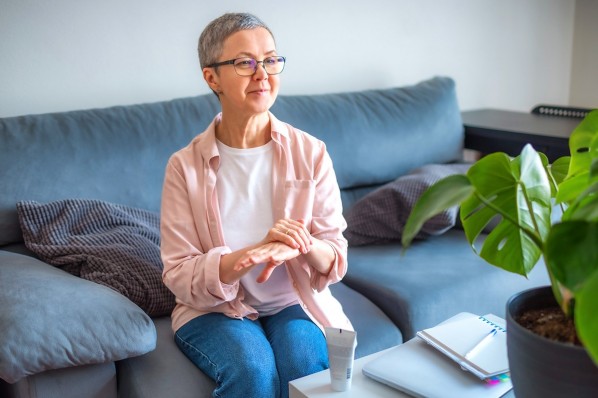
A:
[271,254]
[287,239]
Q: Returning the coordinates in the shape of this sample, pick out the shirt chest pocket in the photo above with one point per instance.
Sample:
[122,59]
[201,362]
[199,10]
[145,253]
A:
[299,199]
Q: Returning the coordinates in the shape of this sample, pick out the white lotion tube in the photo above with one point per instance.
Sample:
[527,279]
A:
[341,351]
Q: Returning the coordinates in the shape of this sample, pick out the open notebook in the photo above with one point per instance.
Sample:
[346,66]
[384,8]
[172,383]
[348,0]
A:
[476,343]
[421,370]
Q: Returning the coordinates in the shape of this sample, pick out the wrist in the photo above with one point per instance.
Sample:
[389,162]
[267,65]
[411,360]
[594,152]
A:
[321,257]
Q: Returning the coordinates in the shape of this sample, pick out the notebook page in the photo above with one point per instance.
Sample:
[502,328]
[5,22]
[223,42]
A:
[455,339]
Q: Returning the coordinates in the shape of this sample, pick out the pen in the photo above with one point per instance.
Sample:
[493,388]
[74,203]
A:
[481,344]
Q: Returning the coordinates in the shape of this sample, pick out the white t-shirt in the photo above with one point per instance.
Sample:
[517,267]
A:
[244,187]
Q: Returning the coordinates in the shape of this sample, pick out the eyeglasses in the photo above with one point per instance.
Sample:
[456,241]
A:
[247,66]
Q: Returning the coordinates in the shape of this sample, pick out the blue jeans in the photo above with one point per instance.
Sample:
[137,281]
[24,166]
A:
[254,358]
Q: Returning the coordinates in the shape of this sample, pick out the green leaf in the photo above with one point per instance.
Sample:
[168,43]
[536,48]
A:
[594,167]
[490,176]
[586,321]
[518,191]
[560,168]
[571,250]
[444,194]
[572,187]
[585,207]
[583,145]
[572,253]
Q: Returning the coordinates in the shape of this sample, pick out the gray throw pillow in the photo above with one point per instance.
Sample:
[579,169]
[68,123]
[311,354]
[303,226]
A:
[380,216]
[110,244]
[52,320]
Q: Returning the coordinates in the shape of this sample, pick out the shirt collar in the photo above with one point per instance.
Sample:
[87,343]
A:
[278,130]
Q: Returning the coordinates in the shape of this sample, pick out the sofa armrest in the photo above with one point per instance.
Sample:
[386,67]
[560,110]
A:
[50,319]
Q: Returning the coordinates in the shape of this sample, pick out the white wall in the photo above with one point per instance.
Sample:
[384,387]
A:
[584,72]
[74,54]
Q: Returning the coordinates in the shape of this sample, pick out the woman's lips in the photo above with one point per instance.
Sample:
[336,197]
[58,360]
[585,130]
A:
[259,91]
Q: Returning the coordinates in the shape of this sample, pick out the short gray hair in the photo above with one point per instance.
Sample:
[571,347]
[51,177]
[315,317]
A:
[211,40]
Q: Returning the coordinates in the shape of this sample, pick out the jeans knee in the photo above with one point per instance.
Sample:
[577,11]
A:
[256,377]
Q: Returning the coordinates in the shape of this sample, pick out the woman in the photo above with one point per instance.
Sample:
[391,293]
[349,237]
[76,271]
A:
[251,227]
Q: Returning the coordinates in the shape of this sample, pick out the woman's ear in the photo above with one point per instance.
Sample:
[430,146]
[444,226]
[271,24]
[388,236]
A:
[212,79]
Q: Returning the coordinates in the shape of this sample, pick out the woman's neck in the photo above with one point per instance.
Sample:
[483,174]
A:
[244,132]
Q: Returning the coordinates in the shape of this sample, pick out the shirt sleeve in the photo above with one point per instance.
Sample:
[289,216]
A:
[328,222]
[191,262]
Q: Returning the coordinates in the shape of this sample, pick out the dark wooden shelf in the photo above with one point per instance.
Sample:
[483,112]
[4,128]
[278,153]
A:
[492,130]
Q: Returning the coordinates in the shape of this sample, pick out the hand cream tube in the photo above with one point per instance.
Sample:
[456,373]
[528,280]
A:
[341,351]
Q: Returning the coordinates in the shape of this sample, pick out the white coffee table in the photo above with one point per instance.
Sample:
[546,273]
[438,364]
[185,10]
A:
[317,385]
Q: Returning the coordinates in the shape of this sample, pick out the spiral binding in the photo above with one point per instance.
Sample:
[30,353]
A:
[494,325]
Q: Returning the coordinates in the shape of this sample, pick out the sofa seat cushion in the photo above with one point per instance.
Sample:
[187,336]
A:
[114,245]
[51,320]
[377,330]
[164,372]
[381,215]
[433,280]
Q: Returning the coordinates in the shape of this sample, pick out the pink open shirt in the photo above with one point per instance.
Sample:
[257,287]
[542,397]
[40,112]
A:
[304,187]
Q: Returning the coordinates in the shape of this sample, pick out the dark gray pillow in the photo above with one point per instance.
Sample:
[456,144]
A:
[380,216]
[110,244]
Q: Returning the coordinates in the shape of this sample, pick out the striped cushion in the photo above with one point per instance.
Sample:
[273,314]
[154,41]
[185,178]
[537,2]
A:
[380,216]
[113,245]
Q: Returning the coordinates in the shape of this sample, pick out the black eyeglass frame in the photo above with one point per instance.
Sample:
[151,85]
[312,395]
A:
[232,62]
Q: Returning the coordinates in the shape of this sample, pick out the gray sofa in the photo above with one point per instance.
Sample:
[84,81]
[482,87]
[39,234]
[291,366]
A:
[63,335]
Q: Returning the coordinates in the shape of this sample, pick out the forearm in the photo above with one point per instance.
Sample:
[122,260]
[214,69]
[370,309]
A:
[228,274]
[321,256]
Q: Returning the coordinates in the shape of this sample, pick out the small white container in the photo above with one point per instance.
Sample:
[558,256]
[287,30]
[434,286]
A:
[341,345]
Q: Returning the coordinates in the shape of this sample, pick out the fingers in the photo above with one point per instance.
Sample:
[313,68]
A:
[272,254]
[266,273]
[287,236]
[294,233]
[259,258]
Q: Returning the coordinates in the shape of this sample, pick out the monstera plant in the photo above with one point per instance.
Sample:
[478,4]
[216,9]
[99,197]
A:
[514,199]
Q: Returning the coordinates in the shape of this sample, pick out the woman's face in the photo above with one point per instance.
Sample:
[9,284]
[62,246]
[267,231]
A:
[247,95]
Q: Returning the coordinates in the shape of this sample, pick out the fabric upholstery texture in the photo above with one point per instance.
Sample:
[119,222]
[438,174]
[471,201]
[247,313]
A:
[373,136]
[52,320]
[113,245]
[380,216]
[144,376]
[116,154]
[433,280]
[89,381]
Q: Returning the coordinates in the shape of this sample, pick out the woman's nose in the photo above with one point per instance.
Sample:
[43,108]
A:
[260,72]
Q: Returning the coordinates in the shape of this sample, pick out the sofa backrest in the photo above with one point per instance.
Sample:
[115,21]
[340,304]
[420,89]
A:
[116,154]
[375,136]
[119,154]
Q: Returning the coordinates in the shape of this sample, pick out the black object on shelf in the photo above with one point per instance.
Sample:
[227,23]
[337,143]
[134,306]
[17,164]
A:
[561,111]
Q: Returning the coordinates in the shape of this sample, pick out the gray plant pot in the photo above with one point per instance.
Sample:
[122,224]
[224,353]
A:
[541,367]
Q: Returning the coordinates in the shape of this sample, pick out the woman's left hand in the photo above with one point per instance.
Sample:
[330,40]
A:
[293,233]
